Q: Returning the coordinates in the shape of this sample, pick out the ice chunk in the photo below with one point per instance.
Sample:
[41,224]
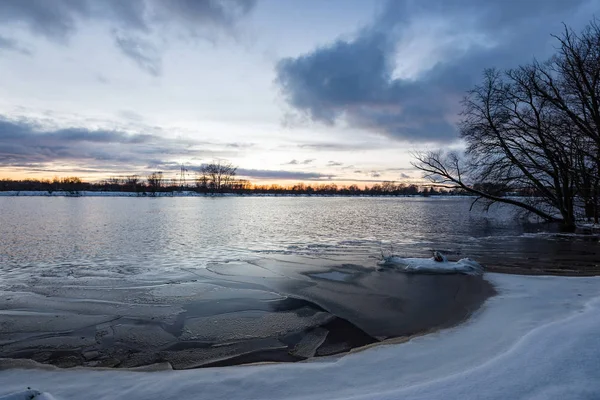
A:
[142,335]
[252,324]
[28,395]
[431,266]
[198,357]
[307,347]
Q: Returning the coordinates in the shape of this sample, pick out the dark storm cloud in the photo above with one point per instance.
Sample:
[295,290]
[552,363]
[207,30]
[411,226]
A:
[354,79]
[25,143]
[129,20]
[269,174]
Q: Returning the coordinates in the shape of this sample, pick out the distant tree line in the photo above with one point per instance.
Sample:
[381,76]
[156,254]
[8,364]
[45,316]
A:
[216,177]
[156,183]
[533,130]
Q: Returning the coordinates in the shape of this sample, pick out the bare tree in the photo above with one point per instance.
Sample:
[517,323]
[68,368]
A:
[202,180]
[218,175]
[71,184]
[155,181]
[533,130]
[133,183]
[113,183]
[570,81]
[446,169]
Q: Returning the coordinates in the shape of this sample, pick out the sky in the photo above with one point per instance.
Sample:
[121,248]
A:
[288,90]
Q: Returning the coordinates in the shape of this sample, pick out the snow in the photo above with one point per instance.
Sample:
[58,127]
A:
[537,339]
[431,266]
[28,395]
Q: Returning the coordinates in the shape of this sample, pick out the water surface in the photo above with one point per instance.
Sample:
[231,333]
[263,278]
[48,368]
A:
[213,281]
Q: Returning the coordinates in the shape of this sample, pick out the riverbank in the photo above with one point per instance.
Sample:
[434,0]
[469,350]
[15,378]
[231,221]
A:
[538,333]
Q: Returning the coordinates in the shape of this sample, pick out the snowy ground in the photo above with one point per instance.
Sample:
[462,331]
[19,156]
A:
[538,339]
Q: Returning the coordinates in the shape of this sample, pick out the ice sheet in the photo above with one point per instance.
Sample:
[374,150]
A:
[538,339]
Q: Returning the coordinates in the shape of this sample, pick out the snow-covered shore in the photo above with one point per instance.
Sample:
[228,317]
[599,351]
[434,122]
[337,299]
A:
[537,339]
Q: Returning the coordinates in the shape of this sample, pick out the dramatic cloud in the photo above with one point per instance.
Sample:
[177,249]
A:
[25,144]
[403,76]
[288,175]
[133,23]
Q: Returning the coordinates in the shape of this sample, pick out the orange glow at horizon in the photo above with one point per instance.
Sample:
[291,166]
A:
[283,183]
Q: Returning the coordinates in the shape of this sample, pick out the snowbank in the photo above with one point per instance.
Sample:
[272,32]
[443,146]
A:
[537,339]
[431,266]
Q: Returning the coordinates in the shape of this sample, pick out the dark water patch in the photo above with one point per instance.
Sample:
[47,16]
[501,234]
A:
[342,337]
[303,310]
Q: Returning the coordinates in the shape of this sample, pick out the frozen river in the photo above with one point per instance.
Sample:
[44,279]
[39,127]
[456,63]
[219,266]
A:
[213,281]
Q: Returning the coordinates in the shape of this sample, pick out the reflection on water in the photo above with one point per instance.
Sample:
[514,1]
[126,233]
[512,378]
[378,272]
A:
[134,234]
[215,281]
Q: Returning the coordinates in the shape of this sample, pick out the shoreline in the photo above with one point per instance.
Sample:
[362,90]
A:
[534,315]
[343,332]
